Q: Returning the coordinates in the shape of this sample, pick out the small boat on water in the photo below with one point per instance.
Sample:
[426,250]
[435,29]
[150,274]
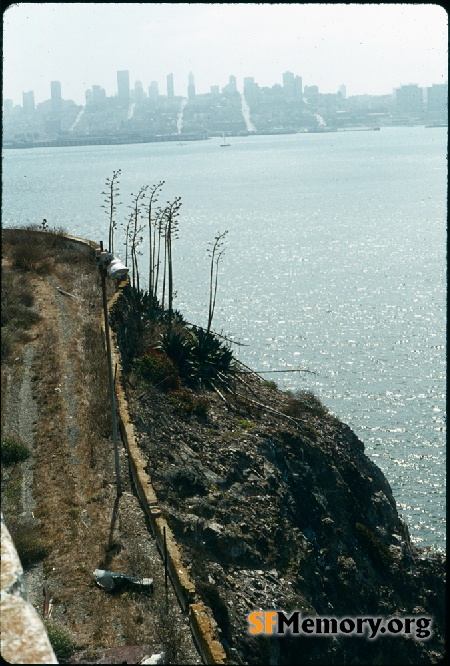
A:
[224,144]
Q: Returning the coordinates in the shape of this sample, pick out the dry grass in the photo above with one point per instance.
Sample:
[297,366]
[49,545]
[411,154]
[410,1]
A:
[62,640]
[73,470]
[30,543]
[33,257]
[17,313]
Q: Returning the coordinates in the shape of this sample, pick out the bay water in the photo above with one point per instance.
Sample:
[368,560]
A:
[335,265]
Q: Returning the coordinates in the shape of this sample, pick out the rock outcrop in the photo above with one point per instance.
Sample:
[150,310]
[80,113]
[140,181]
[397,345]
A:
[24,638]
[283,512]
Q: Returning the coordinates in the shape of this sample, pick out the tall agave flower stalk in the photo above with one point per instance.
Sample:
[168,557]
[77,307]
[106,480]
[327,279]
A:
[110,205]
[216,253]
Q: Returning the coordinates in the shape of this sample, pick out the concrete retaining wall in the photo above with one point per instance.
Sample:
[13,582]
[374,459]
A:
[202,626]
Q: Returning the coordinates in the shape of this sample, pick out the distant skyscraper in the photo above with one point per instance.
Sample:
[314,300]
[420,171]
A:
[153,90]
[28,102]
[311,91]
[292,86]
[409,99]
[288,85]
[8,106]
[251,90]
[191,86]
[231,86]
[343,91]
[170,93]
[98,94]
[123,86]
[438,98]
[138,91]
[55,88]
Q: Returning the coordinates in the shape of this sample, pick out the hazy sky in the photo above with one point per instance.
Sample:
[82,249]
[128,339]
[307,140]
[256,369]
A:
[368,47]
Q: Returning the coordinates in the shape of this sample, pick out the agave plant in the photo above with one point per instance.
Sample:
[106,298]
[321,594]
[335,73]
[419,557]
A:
[179,349]
[200,356]
[210,356]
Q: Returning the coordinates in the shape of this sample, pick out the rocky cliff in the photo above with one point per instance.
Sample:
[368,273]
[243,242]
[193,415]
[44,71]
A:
[276,506]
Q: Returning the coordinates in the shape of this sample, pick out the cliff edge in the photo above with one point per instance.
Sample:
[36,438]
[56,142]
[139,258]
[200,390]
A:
[276,506]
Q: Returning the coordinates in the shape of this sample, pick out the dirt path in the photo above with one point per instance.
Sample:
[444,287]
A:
[56,401]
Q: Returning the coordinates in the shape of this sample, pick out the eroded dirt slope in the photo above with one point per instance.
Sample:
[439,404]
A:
[55,399]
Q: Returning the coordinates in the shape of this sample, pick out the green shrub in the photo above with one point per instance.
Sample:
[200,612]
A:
[61,639]
[21,317]
[304,403]
[30,545]
[24,295]
[189,403]
[271,385]
[13,451]
[245,424]
[158,369]
[6,343]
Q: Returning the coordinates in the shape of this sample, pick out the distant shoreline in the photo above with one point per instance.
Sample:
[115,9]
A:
[179,138]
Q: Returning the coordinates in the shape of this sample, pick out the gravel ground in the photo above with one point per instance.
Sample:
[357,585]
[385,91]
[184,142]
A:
[20,416]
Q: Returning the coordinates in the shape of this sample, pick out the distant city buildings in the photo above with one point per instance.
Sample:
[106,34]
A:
[232,84]
[153,91]
[437,99]
[170,90]
[143,113]
[251,90]
[292,86]
[123,86]
[311,92]
[191,86]
[138,92]
[97,95]
[8,106]
[29,106]
[409,99]
[55,91]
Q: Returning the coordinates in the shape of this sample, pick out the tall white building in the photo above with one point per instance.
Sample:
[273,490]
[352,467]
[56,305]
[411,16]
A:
[123,86]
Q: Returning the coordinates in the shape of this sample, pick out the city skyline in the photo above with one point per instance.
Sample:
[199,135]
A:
[152,89]
[371,49]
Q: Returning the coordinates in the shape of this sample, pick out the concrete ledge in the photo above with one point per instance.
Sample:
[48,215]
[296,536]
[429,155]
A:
[211,650]
[179,575]
[202,627]
[24,639]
